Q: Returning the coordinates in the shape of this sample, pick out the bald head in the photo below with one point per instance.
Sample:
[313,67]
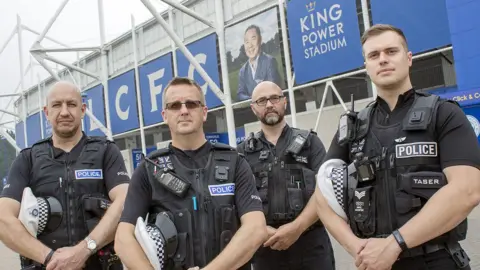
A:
[266,88]
[62,88]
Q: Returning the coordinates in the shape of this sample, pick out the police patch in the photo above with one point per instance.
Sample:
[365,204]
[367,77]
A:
[417,149]
[89,174]
[427,182]
[222,190]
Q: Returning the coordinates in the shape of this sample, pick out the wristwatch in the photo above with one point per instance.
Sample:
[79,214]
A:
[91,244]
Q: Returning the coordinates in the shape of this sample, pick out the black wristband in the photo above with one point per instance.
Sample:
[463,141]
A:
[49,257]
[401,242]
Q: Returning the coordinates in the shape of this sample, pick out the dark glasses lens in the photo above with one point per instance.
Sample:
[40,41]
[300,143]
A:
[190,104]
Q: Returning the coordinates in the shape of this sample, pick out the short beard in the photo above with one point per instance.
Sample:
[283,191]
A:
[272,120]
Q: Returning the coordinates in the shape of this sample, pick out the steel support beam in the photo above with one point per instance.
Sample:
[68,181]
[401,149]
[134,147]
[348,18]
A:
[216,90]
[10,139]
[189,12]
[10,95]
[77,49]
[10,113]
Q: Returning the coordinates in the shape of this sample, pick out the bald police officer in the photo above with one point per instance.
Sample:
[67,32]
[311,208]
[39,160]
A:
[84,174]
[285,161]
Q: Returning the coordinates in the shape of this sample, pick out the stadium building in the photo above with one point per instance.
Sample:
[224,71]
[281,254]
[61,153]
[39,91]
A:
[311,48]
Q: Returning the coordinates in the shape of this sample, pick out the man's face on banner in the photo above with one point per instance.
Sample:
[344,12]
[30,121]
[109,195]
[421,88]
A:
[252,41]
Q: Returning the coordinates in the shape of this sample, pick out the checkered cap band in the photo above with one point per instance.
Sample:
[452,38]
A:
[337,175]
[43,214]
[155,235]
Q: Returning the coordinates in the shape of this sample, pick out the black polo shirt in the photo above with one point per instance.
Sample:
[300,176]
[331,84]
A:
[456,139]
[20,175]
[139,196]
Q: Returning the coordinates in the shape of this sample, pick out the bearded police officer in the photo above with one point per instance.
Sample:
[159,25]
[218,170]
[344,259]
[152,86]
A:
[284,161]
[207,190]
[77,177]
[407,170]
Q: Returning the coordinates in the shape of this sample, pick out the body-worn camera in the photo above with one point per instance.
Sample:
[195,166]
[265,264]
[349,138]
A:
[365,168]
[347,125]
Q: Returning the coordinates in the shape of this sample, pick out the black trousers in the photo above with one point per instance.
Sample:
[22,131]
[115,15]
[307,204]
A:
[312,251]
[440,260]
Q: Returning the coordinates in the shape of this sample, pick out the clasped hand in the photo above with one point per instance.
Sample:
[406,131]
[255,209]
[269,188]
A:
[377,254]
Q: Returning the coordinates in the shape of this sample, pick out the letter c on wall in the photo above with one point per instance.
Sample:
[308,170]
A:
[121,114]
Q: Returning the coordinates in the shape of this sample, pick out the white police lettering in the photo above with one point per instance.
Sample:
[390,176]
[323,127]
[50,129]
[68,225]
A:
[122,173]
[89,174]
[418,149]
[222,190]
[255,197]
[424,181]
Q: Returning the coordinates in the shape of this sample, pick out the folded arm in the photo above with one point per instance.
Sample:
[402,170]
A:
[129,250]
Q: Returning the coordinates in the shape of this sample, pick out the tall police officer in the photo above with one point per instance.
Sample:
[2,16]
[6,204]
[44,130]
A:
[413,169]
[205,189]
[78,172]
[285,161]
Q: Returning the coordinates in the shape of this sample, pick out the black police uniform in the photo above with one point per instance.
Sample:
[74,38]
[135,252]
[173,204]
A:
[204,192]
[285,177]
[399,156]
[80,180]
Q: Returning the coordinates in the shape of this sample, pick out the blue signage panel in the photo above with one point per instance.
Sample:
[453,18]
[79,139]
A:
[122,100]
[95,103]
[464,98]
[137,155]
[473,115]
[205,52]
[424,23]
[222,137]
[19,136]
[47,128]
[325,37]
[465,34]
[153,77]
[34,133]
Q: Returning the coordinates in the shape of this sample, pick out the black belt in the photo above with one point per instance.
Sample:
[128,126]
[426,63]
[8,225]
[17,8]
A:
[422,250]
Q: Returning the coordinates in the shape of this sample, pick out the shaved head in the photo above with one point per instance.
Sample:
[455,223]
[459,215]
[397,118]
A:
[268,103]
[265,86]
[65,109]
[63,86]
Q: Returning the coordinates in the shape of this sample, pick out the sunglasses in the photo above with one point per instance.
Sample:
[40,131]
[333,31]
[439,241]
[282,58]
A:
[190,104]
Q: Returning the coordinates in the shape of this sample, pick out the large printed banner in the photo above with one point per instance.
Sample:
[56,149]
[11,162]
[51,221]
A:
[154,77]
[324,38]
[96,104]
[34,133]
[473,115]
[205,52]
[47,128]
[424,22]
[254,54]
[122,100]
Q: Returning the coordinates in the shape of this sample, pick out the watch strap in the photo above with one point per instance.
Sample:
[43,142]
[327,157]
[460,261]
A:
[88,240]
[401,242]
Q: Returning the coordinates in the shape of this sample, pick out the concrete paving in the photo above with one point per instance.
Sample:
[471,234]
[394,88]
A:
[9,260]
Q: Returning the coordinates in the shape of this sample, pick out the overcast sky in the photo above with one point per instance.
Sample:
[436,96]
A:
[77,26]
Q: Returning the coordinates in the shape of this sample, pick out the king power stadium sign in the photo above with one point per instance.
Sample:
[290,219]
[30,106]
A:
[325,38]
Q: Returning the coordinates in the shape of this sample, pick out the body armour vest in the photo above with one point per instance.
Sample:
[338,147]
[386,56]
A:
[284,180]
[200,202]
[405,166]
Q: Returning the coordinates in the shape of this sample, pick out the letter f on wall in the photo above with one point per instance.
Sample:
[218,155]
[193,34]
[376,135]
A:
[155,90]
[202,59]
[93,126]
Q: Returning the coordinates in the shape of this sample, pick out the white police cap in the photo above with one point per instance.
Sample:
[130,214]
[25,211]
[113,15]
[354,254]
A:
[330,181]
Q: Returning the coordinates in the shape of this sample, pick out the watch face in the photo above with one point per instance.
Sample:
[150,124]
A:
[91,245]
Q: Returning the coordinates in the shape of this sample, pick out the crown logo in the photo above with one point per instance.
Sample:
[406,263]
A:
[310,6]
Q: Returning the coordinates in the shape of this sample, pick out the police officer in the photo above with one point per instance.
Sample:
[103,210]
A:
[285,161]
[206,189]
[85,175]
[411,172]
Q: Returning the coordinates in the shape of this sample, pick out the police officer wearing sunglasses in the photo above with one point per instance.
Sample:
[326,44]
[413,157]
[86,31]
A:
[75,178]
[206,190]
[284,161]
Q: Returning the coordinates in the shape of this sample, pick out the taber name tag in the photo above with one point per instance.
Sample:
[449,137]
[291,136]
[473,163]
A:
[417,149]
[89,174]
[222,190]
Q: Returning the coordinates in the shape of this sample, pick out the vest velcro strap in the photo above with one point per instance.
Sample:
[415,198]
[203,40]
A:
[415,161]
